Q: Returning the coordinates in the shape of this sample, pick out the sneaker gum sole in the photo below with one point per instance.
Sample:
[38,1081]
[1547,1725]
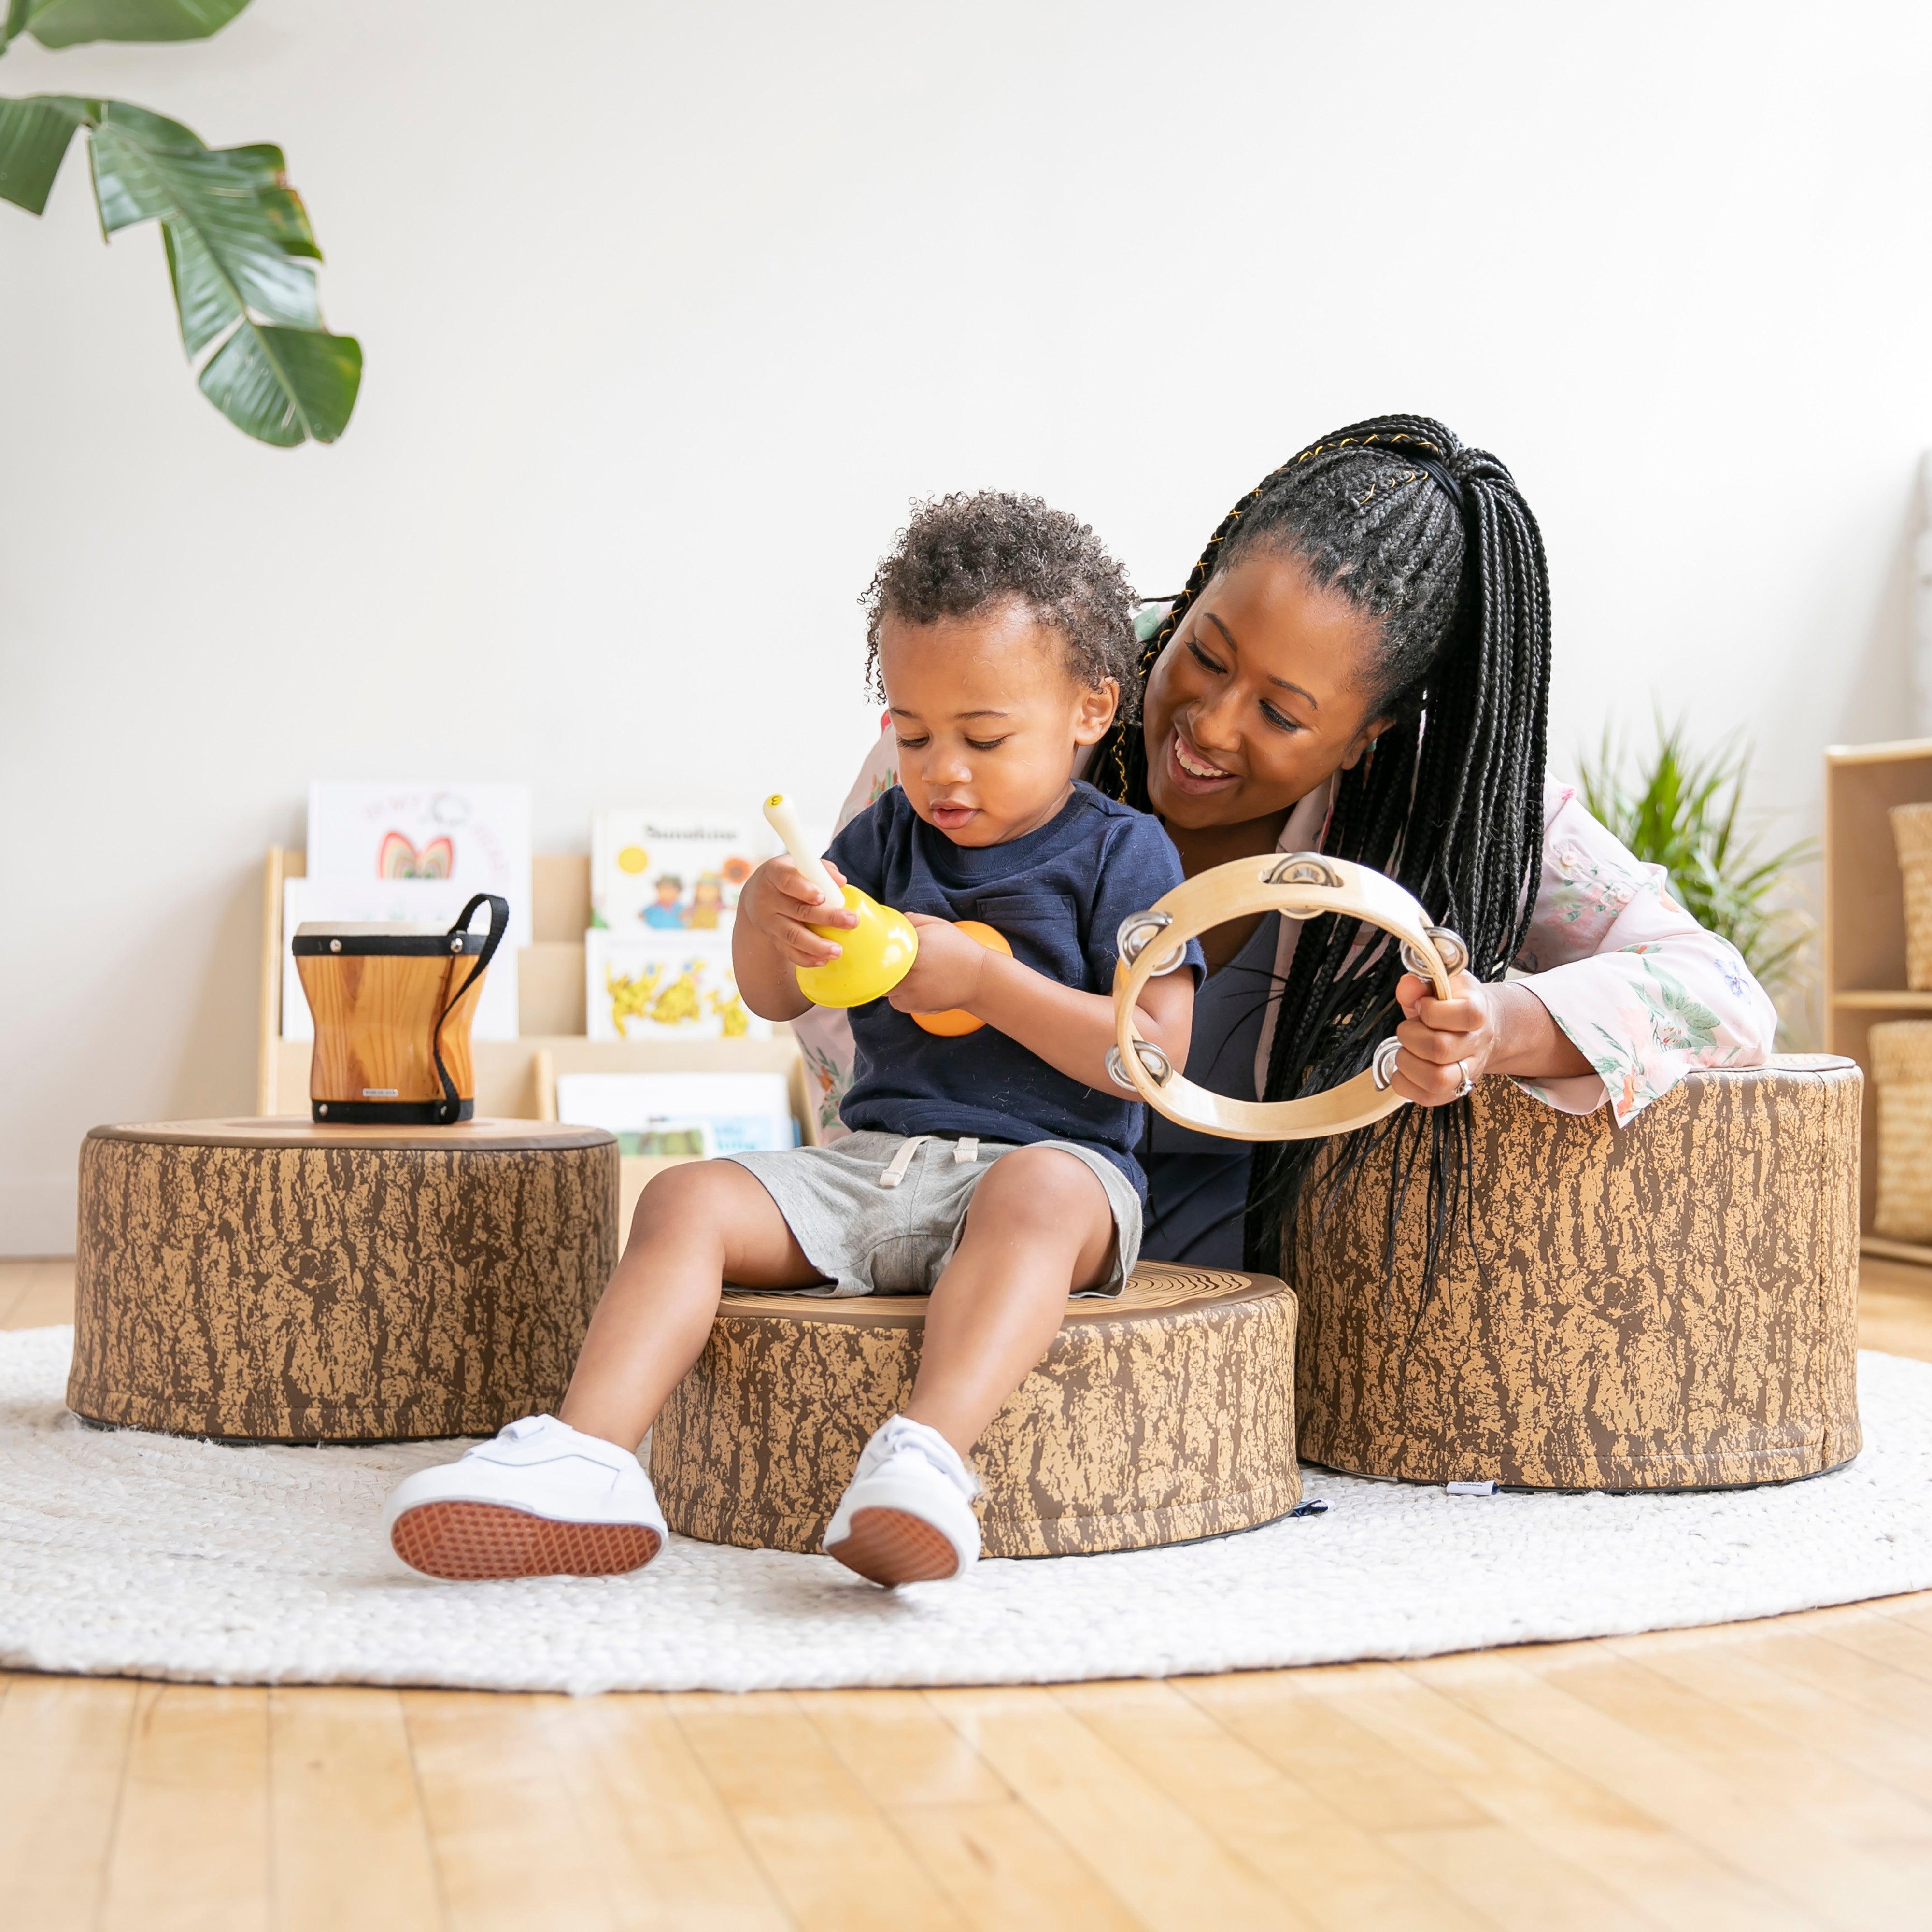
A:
[891,1546]
[473,1542]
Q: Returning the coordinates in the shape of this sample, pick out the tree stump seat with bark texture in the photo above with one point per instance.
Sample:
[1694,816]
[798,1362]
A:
[1669,1305]
[1162,1415]
[271,1280]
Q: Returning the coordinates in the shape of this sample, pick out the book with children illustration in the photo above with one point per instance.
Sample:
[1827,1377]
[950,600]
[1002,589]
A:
[665,872]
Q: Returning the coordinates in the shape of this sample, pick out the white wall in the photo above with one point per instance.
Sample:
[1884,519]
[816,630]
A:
[668,309]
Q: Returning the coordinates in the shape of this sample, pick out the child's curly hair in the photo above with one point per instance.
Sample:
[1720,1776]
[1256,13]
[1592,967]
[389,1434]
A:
[965,553]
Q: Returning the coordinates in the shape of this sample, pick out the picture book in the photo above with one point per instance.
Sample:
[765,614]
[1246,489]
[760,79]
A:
[668,872]
[700,1115]
[664,985]
[477,837]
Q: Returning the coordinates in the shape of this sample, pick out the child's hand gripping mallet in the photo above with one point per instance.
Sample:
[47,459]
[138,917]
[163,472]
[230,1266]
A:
[875,955]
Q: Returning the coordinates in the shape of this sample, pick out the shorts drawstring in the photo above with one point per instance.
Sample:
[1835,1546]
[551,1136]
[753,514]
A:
[966,1154]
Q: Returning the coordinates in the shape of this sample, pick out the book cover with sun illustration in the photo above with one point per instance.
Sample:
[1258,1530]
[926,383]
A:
[657,960]
[660,872]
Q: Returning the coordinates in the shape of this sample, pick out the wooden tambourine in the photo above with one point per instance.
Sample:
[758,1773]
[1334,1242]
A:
[1297,885]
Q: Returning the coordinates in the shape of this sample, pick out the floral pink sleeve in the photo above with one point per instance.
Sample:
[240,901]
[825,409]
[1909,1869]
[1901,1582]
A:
[824,1034]
[1641,991]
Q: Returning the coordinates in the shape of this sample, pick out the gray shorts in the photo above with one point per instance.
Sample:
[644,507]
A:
[872,1234]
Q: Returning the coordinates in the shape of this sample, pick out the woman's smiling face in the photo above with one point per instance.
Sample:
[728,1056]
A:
[1264,691]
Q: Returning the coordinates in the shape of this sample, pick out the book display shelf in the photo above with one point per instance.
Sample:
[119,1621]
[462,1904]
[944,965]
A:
[516,1079]
[1864,929]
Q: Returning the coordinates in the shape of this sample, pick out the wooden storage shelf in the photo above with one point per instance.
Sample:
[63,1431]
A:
[516,1079]
[1864,928]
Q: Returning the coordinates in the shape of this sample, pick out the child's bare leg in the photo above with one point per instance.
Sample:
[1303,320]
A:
[695,1228]
[1039,1227]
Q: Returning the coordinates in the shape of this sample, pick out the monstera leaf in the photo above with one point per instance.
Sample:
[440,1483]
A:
[239,246]
[66,23]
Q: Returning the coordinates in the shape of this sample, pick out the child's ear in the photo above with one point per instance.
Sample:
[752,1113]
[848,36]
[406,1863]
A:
[1095,712]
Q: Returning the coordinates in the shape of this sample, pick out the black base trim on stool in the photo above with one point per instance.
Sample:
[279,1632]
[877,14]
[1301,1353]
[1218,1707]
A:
[390,1113]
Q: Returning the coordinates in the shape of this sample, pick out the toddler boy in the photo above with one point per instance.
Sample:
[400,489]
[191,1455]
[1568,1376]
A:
[994,1168]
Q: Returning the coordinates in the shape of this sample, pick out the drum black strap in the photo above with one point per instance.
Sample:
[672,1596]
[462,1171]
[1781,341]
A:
[451,1106]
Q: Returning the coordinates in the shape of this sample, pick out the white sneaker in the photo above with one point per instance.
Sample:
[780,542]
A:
[540,1499]
[907,1517]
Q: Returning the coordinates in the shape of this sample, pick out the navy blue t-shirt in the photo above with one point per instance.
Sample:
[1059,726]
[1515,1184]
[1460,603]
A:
[1057,897]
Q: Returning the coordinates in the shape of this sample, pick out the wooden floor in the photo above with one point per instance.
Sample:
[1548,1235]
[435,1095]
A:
[1764,1774]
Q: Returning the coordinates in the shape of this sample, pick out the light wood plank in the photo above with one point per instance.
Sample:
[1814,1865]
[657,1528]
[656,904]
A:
[1515,1883]
[832,1858]
[1841,1885]
[63,1744]
[350,1841]
[1157,1861]
[1752,1758]
[1895,1307]
[1370,1782]
[1720,1665]
[1897,1642]
[1002,1867]
[1563,1815]
[190,1847]
[900,1749]
[1827,1664]
[512,1850]
[667,1851]
[1339,1875]
[36,1294]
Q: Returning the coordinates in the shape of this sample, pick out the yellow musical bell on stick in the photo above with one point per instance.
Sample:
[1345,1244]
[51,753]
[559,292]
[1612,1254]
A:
[876,953]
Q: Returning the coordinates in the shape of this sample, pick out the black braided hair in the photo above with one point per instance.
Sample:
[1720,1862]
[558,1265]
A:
[1435,543]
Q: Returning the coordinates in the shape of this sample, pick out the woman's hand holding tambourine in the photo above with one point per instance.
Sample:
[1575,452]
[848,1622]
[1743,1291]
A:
[1446,1045]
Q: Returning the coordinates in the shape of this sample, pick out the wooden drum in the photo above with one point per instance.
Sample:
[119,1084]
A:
[1164,1415]
[1670,1305]
[277,1281]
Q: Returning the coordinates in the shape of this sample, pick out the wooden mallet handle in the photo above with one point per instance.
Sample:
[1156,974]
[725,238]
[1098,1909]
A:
[781,815]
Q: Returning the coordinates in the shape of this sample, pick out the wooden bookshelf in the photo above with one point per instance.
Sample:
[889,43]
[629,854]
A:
[516,1079]
[1864,928]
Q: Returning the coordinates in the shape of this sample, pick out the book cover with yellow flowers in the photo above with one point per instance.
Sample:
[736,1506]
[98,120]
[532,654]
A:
[658,985]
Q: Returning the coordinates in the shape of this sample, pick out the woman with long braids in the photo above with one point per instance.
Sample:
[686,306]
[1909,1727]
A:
[1359,665]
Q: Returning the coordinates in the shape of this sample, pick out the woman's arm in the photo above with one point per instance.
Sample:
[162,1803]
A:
[1499,1029]
[1623,993]
[1071,1031]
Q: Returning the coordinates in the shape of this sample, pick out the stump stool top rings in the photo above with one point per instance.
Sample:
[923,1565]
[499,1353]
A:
[1669,1305]
[275,1280]
[1159,1415]
[1297,885]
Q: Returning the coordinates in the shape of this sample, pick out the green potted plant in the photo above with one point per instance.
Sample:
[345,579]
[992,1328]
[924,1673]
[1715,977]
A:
[1681,809]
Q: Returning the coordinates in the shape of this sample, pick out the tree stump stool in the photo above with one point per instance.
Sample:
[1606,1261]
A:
[1669,1305]
[274,1281]
[1165,1414]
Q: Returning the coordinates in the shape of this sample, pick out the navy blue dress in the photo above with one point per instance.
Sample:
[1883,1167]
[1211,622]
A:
[1198,1183]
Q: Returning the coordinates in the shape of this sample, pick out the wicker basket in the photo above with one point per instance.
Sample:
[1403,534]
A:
[1912,833]
[1901,1061]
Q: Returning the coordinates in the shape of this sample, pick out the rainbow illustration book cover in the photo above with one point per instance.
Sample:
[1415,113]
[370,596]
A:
[476,836]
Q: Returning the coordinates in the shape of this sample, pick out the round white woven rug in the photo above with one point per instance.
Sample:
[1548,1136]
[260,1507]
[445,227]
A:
[150,1555]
